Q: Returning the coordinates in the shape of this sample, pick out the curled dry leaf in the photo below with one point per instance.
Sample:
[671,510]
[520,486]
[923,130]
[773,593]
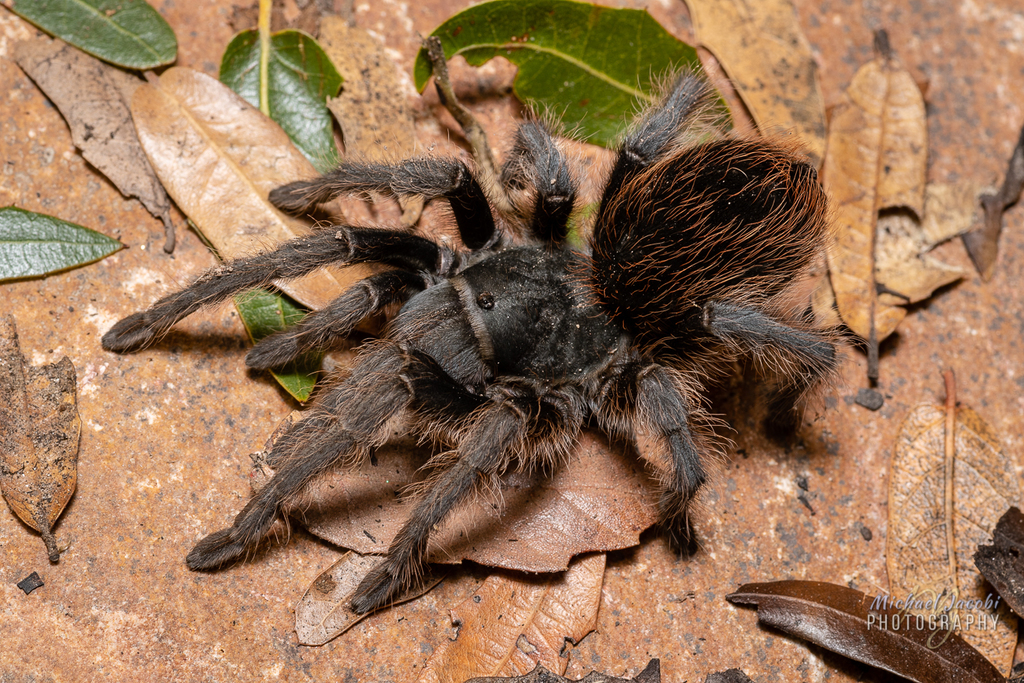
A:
[983,243]
[768,59]
[949,483]
[372,108]
[876,159]
[600,500]
[1002,563]
[324,612]
[850,623]
[512,624]
[39,430]
[93,98]
[219,157]
[650,674]
[903,270]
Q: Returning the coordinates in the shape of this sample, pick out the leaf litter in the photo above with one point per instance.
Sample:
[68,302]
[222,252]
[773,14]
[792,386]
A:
[324,611]
[94,99]
[300,78]
[513,623]
[219,157]
[850,623]
[887,217]
[39,432]
[1002,563]
[650,674]
[535,522]
[34,244]
[769,62]
[372,108]
[983,243]
[564,49]
[128,33]
[950,481]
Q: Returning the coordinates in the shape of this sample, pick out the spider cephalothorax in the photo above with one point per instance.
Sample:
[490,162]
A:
[505,349]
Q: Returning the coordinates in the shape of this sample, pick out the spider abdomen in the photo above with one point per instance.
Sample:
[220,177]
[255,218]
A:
[729,219]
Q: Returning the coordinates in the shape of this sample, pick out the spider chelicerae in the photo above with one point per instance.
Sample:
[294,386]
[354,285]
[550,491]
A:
[505,348]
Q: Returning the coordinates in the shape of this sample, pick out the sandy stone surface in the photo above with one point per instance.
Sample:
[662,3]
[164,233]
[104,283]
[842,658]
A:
[166,432]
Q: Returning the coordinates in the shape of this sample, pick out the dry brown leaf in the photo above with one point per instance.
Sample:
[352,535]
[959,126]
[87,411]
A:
[876,160]
[219,157]
[857,626]
[768,58]
[601,500]
[904,271]
[650,674]
[39,430]
[983,243]
[511,624]
[949,484]
[1002,563]
[93,98]
[372,108]
[323,612]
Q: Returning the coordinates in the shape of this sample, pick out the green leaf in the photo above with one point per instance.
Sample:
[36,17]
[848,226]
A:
[592,66]
[127,33]
[34,244]
[263,313]
[301,78]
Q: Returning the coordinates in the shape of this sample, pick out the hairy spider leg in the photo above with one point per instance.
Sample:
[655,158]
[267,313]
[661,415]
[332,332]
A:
[429,177]
[338,245]
[333,323]
[342,427]
[813,354]
[657,133]
[520,417]
[644,397]
[535,161]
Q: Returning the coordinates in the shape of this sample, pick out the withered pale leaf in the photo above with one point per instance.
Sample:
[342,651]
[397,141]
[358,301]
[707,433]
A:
[1002,563]
[323,612]
[836,618]
[219,157]
[983,243]
[903,269]
[601,500]
[945,498]
[768,59]
[39,430]
[650,674]
[93,98]
[512,624]
[876,159]
[372,108]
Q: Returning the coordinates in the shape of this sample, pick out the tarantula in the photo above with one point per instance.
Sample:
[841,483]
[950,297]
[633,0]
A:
[505,348]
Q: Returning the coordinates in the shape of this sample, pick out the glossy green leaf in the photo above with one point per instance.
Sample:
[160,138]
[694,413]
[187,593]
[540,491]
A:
[592,66]
[301,78]
[264,312]
[34,244]
[128,33]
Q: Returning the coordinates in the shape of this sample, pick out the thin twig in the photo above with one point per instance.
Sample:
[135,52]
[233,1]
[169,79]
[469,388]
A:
[950,463]
[487,168]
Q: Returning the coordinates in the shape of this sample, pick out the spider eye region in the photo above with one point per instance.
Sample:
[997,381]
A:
[485,300]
